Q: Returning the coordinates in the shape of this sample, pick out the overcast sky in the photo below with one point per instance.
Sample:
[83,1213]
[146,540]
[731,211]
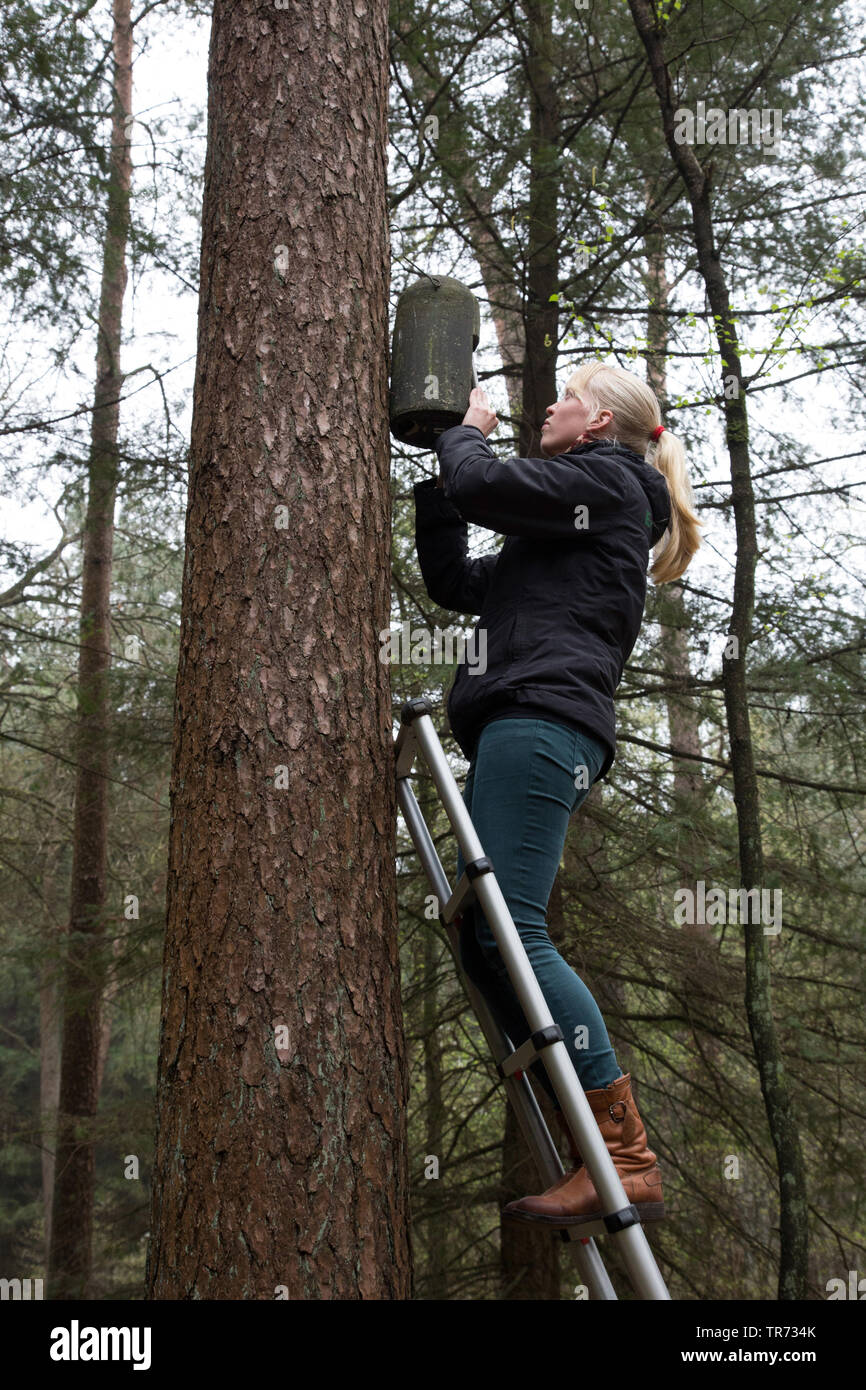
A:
[170,76]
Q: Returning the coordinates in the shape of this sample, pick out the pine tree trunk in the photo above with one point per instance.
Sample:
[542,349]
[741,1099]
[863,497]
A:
[782,1122]
[69,1271]
[541,312]
[108,995]
[683,721]
[281,1166]
[434,1107]
[529,1258]
[526,336]
[49,1027]
[49,1088]
[498,274]
[700,957]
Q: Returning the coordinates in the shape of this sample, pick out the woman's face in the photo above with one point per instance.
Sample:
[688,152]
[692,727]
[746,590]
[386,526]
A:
[569,419]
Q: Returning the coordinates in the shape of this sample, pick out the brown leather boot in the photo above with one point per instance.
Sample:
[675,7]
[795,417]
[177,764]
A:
[573,1200]
[573,1150]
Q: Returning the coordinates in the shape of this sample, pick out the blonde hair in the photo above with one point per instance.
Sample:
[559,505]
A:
[636,413]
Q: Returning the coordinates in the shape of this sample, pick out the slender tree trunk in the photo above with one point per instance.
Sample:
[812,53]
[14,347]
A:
[108,994]
[281,1165]
[689,791]
[49,1026]
[526,330]
[49,1088]
[529,1259]
[49,1048]
[683,721]
[437,1222]
[506,307]
[700,985]
[540,310]
[794,1230]
[69,1270]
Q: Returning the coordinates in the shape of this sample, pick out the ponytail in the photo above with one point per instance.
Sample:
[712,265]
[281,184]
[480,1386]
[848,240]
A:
[673,552]
[637,423]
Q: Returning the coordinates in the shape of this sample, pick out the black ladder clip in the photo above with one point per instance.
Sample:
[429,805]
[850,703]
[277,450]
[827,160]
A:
[464,892]
[477,867]
[523,1057]
[620,1220]
[413,708]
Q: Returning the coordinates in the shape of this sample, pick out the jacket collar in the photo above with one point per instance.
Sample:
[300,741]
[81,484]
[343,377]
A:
[651,480]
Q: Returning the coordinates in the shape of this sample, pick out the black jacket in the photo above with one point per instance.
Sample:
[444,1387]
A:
[562,601]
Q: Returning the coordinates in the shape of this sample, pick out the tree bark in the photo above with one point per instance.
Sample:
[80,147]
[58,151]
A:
[529,1259]
[281,1166]
[683,721]
[689,790]
[701,989]
[526,330]
[540,311]
[49,1088]
[49,1036]
[434,1104]
[506,307]
[56,926]
[794,1229]
[108,995]
[70,1258]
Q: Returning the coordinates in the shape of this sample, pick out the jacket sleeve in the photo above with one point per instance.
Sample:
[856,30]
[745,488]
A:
[451,578]
[531,497]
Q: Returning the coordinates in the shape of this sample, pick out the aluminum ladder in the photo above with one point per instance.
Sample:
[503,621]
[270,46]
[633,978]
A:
[417,735]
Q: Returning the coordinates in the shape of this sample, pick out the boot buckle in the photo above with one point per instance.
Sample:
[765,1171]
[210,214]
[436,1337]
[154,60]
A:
[618,1119]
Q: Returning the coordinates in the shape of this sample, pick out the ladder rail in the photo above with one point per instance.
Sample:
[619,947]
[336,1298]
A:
[518,1090]
[418,735]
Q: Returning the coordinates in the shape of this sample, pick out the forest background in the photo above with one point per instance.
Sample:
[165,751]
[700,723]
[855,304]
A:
[530,155]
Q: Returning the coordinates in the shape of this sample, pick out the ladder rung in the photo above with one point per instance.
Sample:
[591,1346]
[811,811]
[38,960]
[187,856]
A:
[528,1051]
[601,1225]
[464,893]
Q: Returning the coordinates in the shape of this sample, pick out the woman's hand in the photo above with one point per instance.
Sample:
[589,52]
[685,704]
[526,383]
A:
[479,413]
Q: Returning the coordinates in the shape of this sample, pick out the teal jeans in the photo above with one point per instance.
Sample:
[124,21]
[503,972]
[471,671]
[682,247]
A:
[520,793]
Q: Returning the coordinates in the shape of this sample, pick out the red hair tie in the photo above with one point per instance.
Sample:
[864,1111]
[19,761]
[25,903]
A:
[659,429]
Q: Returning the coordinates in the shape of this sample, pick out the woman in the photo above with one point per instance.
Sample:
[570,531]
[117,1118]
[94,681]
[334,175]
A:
[562,604]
